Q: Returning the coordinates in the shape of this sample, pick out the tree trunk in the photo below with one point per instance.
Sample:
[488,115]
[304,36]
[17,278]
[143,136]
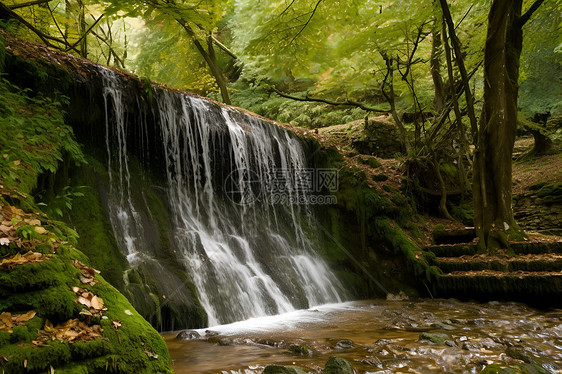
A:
[210,58]
[435,63]
[542,144]
[493,215]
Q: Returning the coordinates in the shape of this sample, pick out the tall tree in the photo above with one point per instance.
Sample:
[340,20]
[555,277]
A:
[493,215]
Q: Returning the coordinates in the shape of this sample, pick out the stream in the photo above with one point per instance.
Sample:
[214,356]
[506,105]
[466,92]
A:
[378,336]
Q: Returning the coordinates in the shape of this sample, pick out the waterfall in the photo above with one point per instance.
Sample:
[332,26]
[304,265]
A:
[247,255]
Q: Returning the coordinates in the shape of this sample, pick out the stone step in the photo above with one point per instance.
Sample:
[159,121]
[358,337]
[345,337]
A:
[535,247]
[542,289]
[518,248]
[528,263]
[465,235]
[452,250]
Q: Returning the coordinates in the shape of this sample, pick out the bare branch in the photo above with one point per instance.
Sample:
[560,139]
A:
[111,50]
[329,102]
[307,22]
[525,17]
[85,33]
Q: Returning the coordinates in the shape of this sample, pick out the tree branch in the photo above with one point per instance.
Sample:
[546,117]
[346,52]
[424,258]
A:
[111,50]
[29,3]
[44,37]
[525,17]
[329,102]
[85,33]
[224,48]
[307,21]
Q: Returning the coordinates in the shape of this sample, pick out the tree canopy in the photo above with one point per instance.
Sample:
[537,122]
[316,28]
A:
[314,63]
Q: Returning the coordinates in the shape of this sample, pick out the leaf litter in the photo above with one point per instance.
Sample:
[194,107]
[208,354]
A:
[71,331]
[8,320]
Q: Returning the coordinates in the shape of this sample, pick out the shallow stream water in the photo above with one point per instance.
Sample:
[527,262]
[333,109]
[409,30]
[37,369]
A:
[378,336]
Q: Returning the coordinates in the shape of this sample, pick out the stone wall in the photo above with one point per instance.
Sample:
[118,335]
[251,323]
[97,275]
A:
[540,209]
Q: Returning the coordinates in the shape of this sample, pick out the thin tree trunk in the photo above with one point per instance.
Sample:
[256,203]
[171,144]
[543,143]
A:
[210,59]
[435,63]
[455,42]
[389,96]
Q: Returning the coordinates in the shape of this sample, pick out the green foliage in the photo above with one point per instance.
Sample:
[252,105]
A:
[34,137]
[62,202]
[541,62]
[310,115]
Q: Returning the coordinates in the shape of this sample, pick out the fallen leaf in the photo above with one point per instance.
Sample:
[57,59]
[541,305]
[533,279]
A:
[40,230]
[19,259]
[4,241]
[116,324]
[152,356]
[32,222]
[6,229]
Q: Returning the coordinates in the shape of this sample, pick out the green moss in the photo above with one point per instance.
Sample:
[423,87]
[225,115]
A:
[552,189]
[92,223]
[370,161]
[435,338]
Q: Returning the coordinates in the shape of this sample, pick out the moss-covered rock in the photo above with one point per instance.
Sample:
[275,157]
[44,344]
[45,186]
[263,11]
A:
[338,365]
[278,369]
[436,337]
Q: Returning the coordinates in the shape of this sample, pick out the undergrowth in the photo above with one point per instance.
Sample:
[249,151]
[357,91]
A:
[34,137]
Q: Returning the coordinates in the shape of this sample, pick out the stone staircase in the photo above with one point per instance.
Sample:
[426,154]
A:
[529,271]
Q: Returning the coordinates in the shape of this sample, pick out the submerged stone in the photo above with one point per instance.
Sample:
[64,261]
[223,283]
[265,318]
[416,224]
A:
[436,338]
[188,335]
[344,344]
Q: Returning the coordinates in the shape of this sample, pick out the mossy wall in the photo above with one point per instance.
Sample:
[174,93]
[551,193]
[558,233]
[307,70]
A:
[364,234]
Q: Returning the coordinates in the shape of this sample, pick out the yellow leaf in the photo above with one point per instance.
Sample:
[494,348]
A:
[40,230]
[17,162]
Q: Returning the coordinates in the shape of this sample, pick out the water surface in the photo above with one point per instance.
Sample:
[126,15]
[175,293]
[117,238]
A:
[378,336]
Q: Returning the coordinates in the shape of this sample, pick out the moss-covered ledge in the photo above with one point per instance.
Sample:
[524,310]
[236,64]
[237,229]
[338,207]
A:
[58,312]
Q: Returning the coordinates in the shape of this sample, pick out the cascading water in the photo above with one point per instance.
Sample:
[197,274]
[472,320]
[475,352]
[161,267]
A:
[123,215]
[246,256]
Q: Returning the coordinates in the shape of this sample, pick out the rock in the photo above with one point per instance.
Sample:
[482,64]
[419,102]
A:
[188,335]
[278,369]
[300,349]
[338,365]
[436,338]
[534,363]
[344,344]
[373,361]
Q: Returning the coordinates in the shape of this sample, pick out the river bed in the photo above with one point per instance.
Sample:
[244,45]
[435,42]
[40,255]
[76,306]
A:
[378,336]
